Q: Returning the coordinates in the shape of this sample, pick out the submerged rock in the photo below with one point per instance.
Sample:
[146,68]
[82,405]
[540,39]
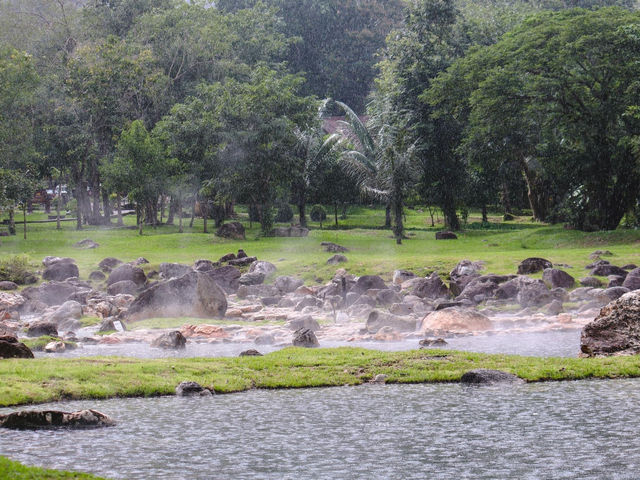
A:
[305,338]
[170,341]
[484,376]
[456,320]
[192,389]
[192,295]
[28,420]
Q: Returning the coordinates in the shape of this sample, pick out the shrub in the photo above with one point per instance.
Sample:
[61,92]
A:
[284,213]
[318,213]
[17,269]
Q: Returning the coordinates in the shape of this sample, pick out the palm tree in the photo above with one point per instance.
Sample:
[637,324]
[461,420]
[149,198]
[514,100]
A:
[376,159]
[313,149]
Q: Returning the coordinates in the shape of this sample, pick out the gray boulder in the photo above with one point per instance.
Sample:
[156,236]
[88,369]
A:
[173,270]
[170,341]
[108,264]
[60,271]
[7,285]
[377,320]
[125,286]
[33,420]
[234,230]
[555,278]
[97,276]
[334,247]
[483,287]
[252,352]
[86,244]
[606,270]
[484,376]
[305,338]
[242,261]
[292,231]
[533,293]
[401,276]
[69,309]
[205,265]
[632,281]
[616,330]
[336,259]
[10,347]
[49,293]
[192,389]
[307,322]
[267,268]
[192,295]
[431,287]
[591,282]
[127,272]
[446,235]
[368,282]
[227,277]
[533,265]
[251,278]
[40,328]
[288,284]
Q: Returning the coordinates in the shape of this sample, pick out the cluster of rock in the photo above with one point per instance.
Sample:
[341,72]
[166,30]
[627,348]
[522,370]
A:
[47,419]
[365,307]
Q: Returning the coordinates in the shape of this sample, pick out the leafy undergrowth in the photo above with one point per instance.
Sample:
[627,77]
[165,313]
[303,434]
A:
[10,470]
[45,379]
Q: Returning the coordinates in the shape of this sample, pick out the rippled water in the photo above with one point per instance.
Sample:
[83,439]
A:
[548,344]
[567,430]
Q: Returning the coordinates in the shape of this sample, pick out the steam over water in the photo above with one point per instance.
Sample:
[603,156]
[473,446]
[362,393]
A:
[547,344]
[567,430]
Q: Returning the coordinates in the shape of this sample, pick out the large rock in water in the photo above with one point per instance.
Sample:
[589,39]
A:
[195,294]
[11,348]
[533,265]
[377,320]
[30,420]
[170,341]
[456,320]
[127,272]
[484,376]
[616,330]
[632,281]
[305,338]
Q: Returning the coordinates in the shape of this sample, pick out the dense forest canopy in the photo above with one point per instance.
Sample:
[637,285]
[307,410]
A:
[520,105]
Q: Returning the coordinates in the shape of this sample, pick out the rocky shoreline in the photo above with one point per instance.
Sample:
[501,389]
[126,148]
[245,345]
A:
[262,308]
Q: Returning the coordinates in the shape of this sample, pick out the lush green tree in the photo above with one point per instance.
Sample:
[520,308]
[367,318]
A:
[338,41]
[142,169]
[555,95]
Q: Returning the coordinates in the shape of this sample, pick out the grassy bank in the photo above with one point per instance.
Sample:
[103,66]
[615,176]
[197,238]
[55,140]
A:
[502,245]
[10,470]
[45,380]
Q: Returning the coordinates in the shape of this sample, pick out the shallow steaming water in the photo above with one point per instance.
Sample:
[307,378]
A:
[566,430]
[547,344]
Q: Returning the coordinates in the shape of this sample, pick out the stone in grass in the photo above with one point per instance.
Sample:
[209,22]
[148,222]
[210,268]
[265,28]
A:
[485,376]
[250,353]
[11,348]
[380,378]
[337,258]
[35,420]
[192,389]
[446,235]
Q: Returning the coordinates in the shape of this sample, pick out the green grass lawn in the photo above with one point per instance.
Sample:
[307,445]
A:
[10,470]
[45,379]
[502,245]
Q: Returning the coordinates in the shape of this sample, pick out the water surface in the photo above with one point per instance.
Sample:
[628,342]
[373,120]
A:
[559,430]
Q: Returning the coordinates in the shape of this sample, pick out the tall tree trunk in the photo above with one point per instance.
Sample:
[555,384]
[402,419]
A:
[179,214]
[302,214]
[506,198]
[106,205]
[535,192]
[161,208]
[387,216]
[58,207]
[172,210]
[398,225]
[193,212]
[335,211]
[12,221]
[451,219]
[485,217]
[204,211]
[139,217]
[24,220]
[119,209]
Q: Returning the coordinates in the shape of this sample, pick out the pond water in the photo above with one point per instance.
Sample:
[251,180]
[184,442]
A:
[564,343]
[563,430]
